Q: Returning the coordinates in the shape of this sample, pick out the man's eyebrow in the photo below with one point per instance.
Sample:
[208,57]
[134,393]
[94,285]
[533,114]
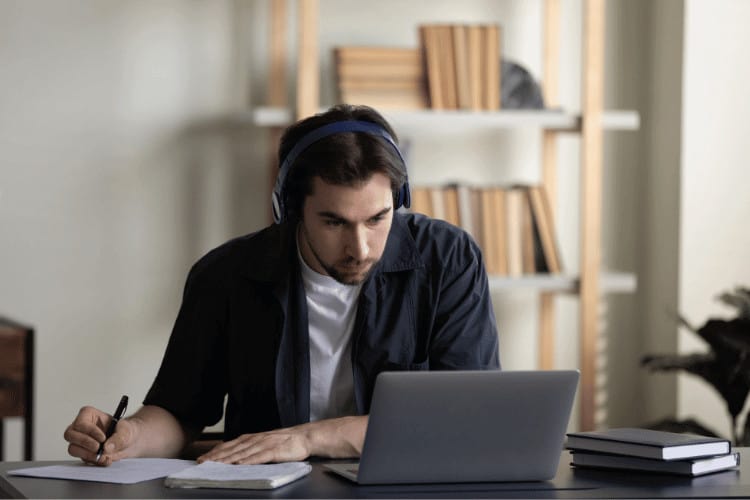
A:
[335,216]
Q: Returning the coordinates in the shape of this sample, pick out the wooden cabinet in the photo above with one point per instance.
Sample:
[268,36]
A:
[17,379]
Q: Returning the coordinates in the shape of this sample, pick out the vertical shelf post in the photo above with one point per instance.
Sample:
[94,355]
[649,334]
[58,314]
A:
[276,93]
[551,57]
[591,198]
[308,74]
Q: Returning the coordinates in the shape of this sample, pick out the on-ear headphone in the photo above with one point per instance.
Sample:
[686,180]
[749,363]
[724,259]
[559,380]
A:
[277,197]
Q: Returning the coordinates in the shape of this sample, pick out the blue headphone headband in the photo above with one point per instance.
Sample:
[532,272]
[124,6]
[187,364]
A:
[277,197]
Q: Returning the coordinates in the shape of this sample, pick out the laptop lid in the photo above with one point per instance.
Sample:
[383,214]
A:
[466,426]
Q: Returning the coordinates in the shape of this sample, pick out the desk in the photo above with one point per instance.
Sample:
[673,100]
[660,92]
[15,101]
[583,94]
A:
[568,483]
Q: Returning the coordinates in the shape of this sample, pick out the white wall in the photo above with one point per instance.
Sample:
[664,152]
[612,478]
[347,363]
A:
[659,78]
[114,178]
[714,205]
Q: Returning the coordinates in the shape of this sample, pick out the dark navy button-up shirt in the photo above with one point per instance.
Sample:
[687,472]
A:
[242,333]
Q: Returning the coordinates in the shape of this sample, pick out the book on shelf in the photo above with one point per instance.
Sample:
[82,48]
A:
[379,75]
[462,65]
[450,204]
[378,55]
[685,467]
[437,203]
[501,221]
[428,37]
[447,67]
[528,255]
[492,241]
[466,199]
[545,227]
[232,476]
[385,98]
[648,443]
[514,198]
[492,66]
[421,200]
[382,77]
[498,232]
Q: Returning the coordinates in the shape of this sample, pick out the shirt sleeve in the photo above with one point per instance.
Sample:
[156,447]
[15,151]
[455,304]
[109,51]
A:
[192,381]
[465,333]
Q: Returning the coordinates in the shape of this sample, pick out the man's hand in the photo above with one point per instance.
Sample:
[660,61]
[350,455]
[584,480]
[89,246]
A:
[281,445]
[87,432]
[334,438]
[151,432]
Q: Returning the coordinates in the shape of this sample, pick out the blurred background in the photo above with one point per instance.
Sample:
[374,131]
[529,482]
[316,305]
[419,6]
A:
[124,157]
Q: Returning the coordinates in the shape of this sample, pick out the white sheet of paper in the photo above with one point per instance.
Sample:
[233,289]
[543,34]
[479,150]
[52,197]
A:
[127,471]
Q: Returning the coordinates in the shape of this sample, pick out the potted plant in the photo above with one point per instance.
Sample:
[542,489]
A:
[725,366]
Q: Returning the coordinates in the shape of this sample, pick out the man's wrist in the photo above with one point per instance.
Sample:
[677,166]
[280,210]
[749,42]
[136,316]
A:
[132,449]
[335,438]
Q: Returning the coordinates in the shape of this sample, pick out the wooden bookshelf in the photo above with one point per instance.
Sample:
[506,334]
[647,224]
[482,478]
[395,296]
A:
[589,124]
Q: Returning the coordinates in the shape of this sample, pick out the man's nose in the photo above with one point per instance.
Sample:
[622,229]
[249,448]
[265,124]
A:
[357,246]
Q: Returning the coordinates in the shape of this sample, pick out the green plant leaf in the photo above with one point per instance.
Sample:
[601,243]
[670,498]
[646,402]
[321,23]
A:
[739,299]
[720,373]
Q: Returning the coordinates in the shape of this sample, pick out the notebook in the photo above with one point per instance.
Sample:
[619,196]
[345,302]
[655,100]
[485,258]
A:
[464,426]
[648,443]
[252,477]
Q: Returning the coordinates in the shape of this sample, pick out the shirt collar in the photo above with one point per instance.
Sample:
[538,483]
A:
[401,253]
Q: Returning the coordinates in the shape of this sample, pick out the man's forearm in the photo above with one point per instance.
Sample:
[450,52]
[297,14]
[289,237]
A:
[337,437]
[158,433]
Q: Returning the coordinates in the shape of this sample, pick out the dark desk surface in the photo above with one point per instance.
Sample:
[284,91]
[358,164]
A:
[568,483]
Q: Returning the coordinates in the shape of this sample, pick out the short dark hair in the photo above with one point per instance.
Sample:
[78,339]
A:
[344,159]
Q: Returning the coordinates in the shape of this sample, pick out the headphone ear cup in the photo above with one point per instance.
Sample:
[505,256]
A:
[276,208]
[404,196]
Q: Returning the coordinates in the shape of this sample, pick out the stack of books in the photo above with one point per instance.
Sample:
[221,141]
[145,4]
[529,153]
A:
[651,451]
[382,77]
[455,66]
[512,224]
[463,65]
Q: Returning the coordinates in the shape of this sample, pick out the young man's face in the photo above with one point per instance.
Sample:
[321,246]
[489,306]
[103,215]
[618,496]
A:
[344,229]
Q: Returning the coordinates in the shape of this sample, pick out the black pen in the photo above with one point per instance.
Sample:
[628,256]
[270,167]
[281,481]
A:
[119,412]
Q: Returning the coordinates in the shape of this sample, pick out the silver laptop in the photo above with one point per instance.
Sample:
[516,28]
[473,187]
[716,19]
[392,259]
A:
[464,426]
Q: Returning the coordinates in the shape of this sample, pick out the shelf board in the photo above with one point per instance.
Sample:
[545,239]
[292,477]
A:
[463,120]
[610,282]
[266,116]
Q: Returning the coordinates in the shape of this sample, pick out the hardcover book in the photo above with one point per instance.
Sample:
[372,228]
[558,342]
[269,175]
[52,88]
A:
[687,467]
[648,443]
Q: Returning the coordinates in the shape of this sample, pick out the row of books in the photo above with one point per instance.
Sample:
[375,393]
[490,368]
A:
[381,77]
[463,65]
[651,451]
[513,225]
[456,66]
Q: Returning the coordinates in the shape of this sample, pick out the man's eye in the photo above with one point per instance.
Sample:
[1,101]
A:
[377,219]
[333,223]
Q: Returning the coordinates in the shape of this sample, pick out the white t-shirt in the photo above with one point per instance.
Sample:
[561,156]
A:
[331,310]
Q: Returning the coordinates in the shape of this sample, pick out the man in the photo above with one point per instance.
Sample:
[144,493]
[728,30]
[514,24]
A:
[293,323]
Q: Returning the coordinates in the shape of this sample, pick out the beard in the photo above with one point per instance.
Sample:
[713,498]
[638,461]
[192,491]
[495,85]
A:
[348,271]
